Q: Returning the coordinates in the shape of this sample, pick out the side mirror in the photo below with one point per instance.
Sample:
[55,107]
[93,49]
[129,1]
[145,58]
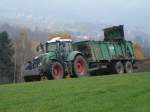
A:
[40,48]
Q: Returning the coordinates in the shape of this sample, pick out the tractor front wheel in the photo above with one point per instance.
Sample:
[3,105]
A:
[56,71]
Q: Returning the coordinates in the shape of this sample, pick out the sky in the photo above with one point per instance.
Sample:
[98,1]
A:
[130,12]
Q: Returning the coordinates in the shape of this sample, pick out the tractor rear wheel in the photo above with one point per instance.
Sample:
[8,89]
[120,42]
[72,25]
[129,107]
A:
[128,67]
[118,67]
[80,66]
[56,71]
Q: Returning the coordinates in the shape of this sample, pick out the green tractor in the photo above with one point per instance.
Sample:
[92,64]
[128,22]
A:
[61,57]
[58,60]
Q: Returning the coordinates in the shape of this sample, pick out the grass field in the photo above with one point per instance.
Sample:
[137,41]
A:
[115,93]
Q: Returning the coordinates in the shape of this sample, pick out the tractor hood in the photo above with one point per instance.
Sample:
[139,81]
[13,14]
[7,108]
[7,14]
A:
[46,59]
[49,56]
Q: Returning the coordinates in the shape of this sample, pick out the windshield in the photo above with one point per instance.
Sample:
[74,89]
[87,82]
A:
[51,47]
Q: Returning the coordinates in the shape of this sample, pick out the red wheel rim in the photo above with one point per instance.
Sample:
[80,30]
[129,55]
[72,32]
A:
[80,66]
[57,71]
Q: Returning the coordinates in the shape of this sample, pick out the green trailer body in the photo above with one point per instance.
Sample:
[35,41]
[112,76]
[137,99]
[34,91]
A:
[96,51]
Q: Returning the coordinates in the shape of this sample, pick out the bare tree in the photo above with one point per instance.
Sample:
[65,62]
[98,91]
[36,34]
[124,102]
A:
[23,53]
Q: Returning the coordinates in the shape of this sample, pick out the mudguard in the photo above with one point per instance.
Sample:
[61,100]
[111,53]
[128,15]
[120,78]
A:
[72,55]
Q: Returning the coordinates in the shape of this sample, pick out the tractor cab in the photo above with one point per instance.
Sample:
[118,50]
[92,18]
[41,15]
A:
[59,47]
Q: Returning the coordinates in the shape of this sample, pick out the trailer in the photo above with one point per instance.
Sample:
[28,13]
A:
[62,56]
[108,54]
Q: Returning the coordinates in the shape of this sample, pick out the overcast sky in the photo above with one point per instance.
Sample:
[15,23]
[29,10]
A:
[132,12]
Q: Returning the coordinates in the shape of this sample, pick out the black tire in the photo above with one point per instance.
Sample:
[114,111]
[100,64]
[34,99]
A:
[128,67]
[80,66]
[56,71]
[118,67]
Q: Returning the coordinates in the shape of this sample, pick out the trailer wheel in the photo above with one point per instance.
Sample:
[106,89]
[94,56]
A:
[80,66]
[128,67]
[118,67]
[56,71]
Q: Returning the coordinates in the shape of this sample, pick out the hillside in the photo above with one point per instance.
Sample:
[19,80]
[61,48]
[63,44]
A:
[39,29]
[115,93]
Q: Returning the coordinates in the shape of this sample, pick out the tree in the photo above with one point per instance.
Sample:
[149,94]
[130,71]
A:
[24,53]
[138,51]
[6,59]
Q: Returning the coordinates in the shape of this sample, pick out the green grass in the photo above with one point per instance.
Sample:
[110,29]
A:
[115,93]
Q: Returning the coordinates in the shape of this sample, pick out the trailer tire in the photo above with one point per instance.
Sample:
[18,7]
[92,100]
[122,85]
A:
[118,67]
[128,67]
[80,66]
[56,71]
